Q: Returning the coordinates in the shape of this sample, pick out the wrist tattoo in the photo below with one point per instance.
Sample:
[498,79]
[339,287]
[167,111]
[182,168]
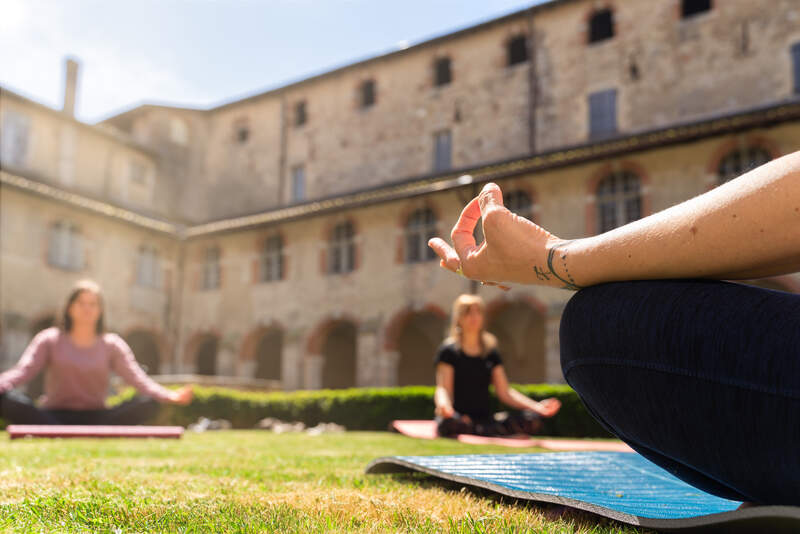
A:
[569,282]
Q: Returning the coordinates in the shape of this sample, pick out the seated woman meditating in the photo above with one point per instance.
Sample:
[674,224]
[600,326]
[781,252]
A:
[466,363]
[77,360]
[699,375]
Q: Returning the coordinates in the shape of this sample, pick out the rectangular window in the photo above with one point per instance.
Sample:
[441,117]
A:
[272,260]
[298,183]
[517,50]
[241,131]
[367,94]
[14,137]
[65,249]
[603,114]
[148,273]
[690,8]
[300,113]
[442,151]
[796,67]
[601,26]
[442,73]
[211,269]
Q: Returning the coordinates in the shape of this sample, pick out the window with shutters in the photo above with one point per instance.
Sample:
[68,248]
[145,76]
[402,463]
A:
[601,26]
[148,269]
[211,269]
[618,200]
[796,67]
[342,249]
[740,161]
[690,8]
[442,73]
[603,114]
[442,151]
[517,50]
[272,259]
[65,247]
[14,139]
[420,227]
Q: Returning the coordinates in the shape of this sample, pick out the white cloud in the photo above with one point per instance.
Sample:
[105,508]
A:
[34,40]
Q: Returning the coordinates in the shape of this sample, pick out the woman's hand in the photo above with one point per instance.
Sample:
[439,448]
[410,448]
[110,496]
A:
[445,411]
[182,396]
[548,407]
[514,249]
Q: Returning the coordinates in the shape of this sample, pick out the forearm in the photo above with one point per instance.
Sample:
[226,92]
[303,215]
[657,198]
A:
[515,399]
[441,398]
[746,228]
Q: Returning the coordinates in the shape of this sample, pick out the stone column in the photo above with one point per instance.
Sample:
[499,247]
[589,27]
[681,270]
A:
[312,371]
[292,365]
[390,359]
[367,359]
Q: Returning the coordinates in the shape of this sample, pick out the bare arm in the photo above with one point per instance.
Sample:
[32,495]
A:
[513,398]
[746,228]
[30,363]
[443,396]
[124,364]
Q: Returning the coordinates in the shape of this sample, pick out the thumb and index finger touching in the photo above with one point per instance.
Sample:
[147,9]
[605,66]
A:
[463,237]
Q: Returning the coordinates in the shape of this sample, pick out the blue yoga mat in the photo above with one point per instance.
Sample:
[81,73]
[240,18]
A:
[619,485]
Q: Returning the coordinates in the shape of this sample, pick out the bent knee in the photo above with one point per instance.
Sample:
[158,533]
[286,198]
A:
[580,318]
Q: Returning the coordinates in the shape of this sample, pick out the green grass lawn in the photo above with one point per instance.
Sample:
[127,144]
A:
[254,481]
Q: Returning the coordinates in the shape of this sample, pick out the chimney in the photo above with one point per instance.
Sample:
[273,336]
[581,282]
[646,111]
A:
[70,86]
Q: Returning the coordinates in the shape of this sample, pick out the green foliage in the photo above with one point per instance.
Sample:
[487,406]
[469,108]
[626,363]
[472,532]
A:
[359,408]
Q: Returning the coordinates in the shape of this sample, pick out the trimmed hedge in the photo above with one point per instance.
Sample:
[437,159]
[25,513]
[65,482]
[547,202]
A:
[359,408]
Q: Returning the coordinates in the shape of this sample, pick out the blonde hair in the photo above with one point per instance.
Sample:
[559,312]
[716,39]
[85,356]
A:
[461,307]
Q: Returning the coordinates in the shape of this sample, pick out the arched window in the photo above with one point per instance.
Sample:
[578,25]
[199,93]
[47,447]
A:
[519,202]
[272,259]
[420,227]
[619,200]
[601,26]
[740,161]
[342,249]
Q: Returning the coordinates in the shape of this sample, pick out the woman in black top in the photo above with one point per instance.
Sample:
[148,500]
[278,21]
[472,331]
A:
[466,364]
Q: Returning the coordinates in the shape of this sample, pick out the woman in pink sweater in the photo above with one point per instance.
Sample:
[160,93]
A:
[78,360]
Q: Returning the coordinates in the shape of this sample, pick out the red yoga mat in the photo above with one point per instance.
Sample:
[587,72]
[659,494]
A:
[93,431]
[427,430]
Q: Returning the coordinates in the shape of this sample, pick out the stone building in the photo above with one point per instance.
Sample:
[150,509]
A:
[282,236]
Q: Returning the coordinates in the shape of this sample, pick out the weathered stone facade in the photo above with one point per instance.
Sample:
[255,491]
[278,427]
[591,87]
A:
[216,190]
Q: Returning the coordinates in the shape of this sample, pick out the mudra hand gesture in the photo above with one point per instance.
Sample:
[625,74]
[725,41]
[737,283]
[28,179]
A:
[514,249]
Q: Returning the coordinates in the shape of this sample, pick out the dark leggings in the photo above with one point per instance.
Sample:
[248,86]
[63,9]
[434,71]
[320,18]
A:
[503,424]
[18,409]
[701,377]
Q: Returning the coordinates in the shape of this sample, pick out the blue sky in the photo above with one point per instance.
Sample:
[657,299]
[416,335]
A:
[203,52]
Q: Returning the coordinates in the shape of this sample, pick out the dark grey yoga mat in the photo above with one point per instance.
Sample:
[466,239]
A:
[622,486]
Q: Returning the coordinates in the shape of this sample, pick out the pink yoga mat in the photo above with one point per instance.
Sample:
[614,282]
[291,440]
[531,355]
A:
[95,431]
[427,430]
